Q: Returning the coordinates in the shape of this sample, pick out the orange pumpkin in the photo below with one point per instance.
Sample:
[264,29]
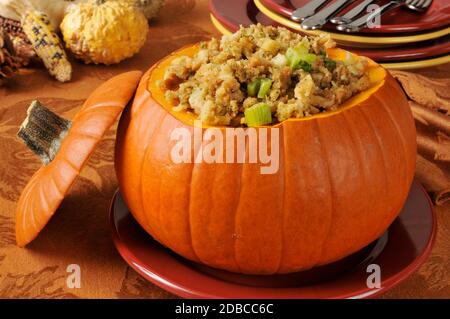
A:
[343,178]
[65,152]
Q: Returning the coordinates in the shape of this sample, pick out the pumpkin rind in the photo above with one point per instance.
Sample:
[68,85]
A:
[342,180]
[46,189]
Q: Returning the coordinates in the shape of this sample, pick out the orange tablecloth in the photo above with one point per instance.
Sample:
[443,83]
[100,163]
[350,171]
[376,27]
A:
[79,233]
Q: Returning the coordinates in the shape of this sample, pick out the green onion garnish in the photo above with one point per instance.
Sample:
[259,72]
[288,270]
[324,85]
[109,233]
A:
[305,66]
[258,114]
[330,64]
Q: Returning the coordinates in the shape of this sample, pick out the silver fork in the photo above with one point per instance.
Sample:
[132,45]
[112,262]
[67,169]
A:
[317,20]
[416,5]
[353,13]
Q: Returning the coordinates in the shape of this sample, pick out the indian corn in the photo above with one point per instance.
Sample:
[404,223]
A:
[47,44]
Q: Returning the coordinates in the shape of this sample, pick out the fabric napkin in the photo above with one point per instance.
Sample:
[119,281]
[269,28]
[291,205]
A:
[429,99]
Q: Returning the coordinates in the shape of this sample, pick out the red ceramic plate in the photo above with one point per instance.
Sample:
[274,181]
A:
[408,52]
[400,252]
[245,13]
[397,21]
[233,13]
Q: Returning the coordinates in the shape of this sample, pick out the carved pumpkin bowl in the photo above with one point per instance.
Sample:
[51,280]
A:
[342,179]
[342,176]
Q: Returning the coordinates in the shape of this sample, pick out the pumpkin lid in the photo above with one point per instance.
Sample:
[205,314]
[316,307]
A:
[64,147]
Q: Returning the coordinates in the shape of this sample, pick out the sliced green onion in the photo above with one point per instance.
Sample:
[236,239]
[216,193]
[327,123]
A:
[266,84]
[305,66]
[253,87]
[258,114]
[329,64]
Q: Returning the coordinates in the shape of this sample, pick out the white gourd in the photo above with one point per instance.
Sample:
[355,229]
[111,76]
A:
[54,9]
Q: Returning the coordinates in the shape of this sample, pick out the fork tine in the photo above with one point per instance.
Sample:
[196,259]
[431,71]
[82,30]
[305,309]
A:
[426,3]
[413,3]
[421,4]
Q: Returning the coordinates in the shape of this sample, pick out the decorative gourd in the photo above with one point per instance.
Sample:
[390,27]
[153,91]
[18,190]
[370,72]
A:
[150,8]
[104,32]
[64,147]
[343,178]
[54,9]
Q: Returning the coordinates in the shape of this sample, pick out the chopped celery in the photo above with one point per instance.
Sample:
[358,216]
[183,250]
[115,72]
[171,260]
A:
[302,48]
[300,58]
[253,87]
[309,57]
[279,60]
[258,114]
[292,54]
[293,57]
[266,84]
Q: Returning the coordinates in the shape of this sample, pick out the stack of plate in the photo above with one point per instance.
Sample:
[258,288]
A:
[404,40]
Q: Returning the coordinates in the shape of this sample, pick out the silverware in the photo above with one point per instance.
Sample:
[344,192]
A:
[307,10]
[420,5]
[353,13]
[416,5]
[320,18]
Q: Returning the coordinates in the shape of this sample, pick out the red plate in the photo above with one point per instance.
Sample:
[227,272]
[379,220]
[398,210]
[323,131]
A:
[396,21]
[400,252]
[233,13]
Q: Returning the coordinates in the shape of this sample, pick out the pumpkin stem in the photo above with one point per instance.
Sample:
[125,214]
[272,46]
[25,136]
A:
[42,131]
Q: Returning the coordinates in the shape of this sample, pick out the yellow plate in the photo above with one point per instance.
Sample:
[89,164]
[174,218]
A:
[219,26]
[417,64]
[408,65]
[353,40]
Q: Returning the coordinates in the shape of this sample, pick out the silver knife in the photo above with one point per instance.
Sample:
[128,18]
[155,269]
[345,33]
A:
[307,10]
[320,18]
[351,14]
